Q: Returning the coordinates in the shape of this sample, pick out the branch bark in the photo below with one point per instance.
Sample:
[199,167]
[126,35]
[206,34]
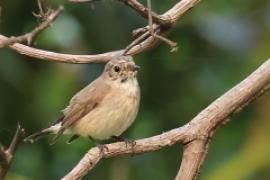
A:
[144,44]
[50,16]
[196,135]
[142,146]
[143,11]
[193,156]
[6,156]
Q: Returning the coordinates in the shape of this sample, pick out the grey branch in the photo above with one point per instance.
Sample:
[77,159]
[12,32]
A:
[149,42]
[6,156]
[196,135]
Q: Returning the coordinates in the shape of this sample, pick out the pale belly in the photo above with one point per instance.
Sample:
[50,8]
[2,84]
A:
[111,118]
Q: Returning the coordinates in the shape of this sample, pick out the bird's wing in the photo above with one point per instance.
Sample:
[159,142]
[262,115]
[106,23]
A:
[84,101]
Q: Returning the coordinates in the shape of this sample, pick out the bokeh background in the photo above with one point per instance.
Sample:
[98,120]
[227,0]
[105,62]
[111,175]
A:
[220,43]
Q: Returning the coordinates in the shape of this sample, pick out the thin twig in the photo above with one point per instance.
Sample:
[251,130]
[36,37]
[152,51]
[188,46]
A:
[17,139]
[163,20]
[28,37]
[138,32]
[6,156]
[153,30]
[82,1]
[3,163]
[173,45]
[174,13]
[3,158]
[136,42]
[150,18]
[40,7]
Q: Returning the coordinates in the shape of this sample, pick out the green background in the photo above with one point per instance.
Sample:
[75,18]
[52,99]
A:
[220,43]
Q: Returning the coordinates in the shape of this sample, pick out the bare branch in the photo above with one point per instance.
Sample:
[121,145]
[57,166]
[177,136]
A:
[142,146]
[195,135]
[17,139]
[6,156]
[81,1]
[141,38]
[172,44]
[3,158]
[47,18]
[59,57]
[180,8]
[148,42]
[193,153]
[143,11]
[217,114]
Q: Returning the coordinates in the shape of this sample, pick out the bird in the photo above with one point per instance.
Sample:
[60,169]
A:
[102,110]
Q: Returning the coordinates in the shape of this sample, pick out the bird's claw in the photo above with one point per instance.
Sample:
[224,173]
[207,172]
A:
[102,148]
[132,143]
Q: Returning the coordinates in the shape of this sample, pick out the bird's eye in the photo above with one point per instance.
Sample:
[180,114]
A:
[116,68]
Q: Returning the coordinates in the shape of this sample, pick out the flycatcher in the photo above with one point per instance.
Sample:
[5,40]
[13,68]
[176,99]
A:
[103,109]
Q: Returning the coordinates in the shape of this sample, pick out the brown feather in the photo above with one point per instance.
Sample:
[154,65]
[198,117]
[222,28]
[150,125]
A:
[84,101]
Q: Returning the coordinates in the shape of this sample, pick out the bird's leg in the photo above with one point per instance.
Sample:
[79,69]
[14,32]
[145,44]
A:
[73,138]
[127,141]
[101,147]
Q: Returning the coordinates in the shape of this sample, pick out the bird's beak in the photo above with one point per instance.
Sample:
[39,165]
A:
[136,67]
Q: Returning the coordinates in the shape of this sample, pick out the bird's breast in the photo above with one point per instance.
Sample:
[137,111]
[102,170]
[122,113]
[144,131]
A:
[113,115]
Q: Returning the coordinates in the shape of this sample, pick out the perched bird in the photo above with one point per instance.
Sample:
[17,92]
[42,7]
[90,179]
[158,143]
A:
[103,109]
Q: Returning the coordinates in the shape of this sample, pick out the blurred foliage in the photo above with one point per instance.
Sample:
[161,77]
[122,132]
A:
[220,42]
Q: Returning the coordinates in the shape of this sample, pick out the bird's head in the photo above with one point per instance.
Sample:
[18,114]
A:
[121,68]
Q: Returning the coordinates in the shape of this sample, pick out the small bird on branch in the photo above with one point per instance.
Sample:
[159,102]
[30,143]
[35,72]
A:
[103,109]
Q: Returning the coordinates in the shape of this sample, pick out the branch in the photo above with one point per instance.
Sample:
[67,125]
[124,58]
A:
[172,44]
[154,143]
[196,135]
[142,45]
[3,159]
[164,20]
[6,156]
[59,57]
[47,19]
[191,160]
[81,1]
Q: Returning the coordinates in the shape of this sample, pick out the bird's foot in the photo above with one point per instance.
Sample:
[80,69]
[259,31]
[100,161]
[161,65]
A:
[130,142]
[101,147]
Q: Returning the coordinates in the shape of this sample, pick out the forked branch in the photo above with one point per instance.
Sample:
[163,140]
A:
[6,156]
[141,45]
[195,136]
[46,19]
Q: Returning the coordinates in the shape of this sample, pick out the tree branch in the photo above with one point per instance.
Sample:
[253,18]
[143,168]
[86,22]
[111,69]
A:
[142,146]
[195,135]
[141,45]
[6,156]
[192,157]
[47,19]
[81,1]
[143,11]
[3,159]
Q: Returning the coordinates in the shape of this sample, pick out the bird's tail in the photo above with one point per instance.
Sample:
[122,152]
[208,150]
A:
[42,133]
